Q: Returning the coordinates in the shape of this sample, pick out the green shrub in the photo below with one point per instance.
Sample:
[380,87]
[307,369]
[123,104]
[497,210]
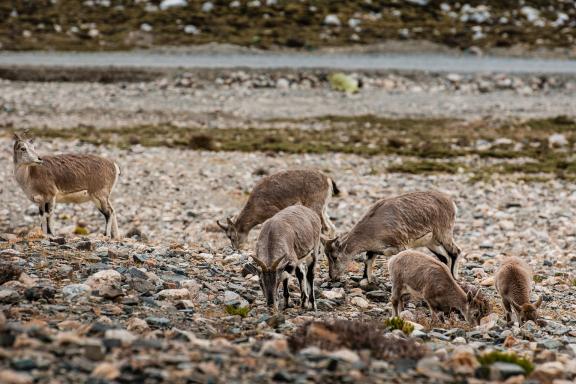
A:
[237,311]
[398,323]
[490,358]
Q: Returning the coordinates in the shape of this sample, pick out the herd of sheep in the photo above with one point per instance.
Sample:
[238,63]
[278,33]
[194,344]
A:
[296,229]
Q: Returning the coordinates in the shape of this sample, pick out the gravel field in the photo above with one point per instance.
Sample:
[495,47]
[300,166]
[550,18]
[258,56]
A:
[238,98]
[84,309]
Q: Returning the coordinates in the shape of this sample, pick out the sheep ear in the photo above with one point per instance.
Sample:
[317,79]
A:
[17,137]
[469,297]
[229,221]
[539,302]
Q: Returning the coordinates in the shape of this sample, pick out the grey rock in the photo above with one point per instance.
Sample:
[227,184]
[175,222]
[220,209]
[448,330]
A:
[502,371]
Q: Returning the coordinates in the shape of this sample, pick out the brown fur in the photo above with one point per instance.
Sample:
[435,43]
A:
[71,178]
[273,193]
[395,224]
[513,281]
[415,273]
[289,242]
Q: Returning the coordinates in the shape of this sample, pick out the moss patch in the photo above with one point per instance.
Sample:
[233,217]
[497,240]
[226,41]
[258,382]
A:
[237,311]
[490,358]
[433,145]
[397,323]
[72,24]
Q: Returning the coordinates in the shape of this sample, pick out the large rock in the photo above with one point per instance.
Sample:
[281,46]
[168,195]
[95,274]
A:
[106,278]
[174,294]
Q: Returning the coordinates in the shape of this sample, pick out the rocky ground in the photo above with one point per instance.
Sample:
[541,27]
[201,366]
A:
[496,26]
[234,98]
[166,305]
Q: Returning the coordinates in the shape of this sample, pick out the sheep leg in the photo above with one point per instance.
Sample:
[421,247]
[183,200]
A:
[301,276]
[48,208]
[286,293]
[397,303]
[310,280]
[508,309]
[42,212]
[369,266]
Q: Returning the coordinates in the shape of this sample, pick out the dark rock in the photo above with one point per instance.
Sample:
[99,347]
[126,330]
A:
[94,352]
[85,246]
[502,371]
[378,296]
[40,292]
[158,322]
[9,272]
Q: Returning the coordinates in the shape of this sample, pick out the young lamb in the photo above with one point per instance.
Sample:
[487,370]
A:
[273,193]
[513,282]
[289,242]
[418,274]
[411,220]
[69,178]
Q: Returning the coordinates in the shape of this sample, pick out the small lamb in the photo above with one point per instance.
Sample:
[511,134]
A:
[289,242]
[273,193]
[411,220]
[69,178]
[418,274]
[513,282]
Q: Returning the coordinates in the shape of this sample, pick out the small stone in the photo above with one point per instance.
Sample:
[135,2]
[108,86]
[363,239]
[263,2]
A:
[104,278]
[548,372]
[275,347]
[282,83]
[138,325]
[95,352]
[8,376]
[557,140]
[502,371]
[378,296]
[334,293]
[360,302]
[345,355]
[207,7]
[174,294]
[126,337]
[85,246]
[158,322]
[232,298]
[9,296]
[332,20]
[431,367]
[73,291]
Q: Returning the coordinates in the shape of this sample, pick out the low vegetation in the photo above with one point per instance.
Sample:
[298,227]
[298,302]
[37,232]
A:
[398,323]
[490,358]
[122,24]
[237,311]
[426,145]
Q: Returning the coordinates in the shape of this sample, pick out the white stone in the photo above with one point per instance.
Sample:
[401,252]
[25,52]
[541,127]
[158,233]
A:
[172,3]
[334,293]
[207,7]
[332,20]
[123,335]
[145,27]
[191,30]
[174,294]
[360,302]
[102,278]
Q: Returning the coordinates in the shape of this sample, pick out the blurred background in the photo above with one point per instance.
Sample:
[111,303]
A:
[436,92]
